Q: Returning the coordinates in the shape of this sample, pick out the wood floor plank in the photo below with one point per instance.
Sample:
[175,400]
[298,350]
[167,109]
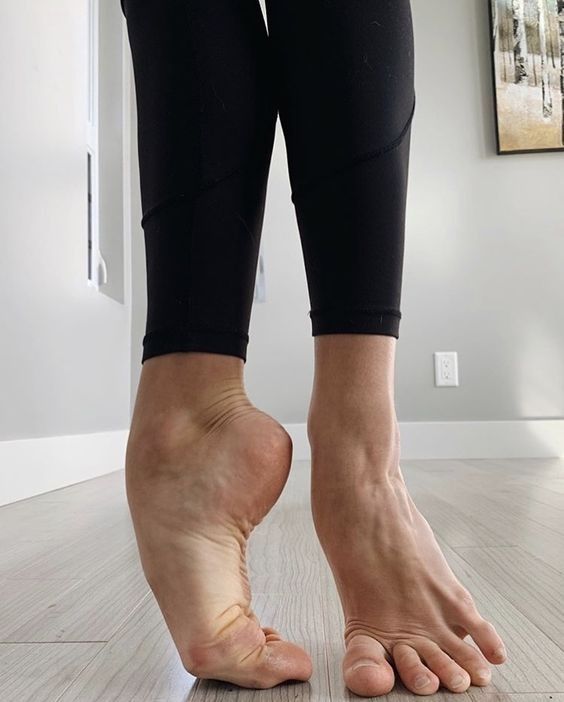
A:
[538,494]
[516,697]
[535,662]
[91,610]
[513,526]
[27,601]
[510,497]
[16,554]
[139,664]
[456,527]
[284,553]
[89,493]
[535,467]
[553,484]
[84,553]
[443,465]
[40,519]
[74,552]
[41,672]
[532,586]
[522,502]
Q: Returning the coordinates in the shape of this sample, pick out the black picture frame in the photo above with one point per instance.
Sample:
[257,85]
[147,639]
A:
[513,130]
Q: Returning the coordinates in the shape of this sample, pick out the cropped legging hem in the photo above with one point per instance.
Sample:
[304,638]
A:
[233,343]
[355,321]
[162,341]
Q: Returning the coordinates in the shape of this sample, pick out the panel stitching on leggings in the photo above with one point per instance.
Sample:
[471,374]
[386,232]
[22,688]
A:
[170,200]
[208,184]
[173,199]
[371,155]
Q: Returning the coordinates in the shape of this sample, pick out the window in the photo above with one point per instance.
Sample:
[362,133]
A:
[104,149]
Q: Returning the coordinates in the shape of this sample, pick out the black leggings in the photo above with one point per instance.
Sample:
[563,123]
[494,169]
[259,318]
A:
[209,85]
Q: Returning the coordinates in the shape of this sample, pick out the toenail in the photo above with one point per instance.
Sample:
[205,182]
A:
[422,680]
[500,652]
[457,681]
[364,663]
[483,674]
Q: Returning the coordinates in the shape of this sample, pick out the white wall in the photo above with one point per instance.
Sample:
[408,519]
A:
[64,348]
[484,247]
[485,240]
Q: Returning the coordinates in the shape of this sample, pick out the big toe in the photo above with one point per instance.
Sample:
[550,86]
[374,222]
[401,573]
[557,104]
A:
[365,668]
[278,661]
[249,656]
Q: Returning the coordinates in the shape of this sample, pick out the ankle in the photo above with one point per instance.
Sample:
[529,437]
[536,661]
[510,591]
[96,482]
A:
[349,420]
[180,393]
[357,445]
[353,383]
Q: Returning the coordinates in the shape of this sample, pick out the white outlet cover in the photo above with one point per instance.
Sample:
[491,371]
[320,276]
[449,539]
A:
[446,369]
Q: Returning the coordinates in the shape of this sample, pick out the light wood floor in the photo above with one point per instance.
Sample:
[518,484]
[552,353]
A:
[77,623]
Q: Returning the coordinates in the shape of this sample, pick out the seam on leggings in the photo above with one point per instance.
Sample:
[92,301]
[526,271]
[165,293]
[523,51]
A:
[198,330]
[170,200]
[204,187]
[369,156]
[348,310]
[174,199]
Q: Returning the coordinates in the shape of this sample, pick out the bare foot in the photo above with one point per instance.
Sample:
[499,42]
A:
[402,603]
[203,468]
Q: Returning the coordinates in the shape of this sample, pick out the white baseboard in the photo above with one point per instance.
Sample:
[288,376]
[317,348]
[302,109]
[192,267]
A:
[30,467]
[534,438]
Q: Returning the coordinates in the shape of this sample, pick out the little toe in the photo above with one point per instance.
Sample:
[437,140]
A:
[365,669]
[452,676]
[488,641]
[414,674]
[271,634]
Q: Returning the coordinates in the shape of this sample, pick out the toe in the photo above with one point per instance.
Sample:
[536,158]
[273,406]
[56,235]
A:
[452,676]
[483,632]
[471,659]
[414,674]
[365,668]
[282,661]
[249,656]
[273,663]
[488,640]
[271,634]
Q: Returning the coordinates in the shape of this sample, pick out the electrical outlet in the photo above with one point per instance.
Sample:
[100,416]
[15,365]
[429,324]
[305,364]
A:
[446,368]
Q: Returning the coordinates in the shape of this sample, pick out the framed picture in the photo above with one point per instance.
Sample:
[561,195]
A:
[527,43]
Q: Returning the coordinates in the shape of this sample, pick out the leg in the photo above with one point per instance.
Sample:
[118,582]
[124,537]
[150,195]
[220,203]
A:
[345,71]
[402,602]
[203,465]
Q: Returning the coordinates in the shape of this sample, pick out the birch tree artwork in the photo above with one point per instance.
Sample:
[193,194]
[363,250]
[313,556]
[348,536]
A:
[520,53]
[528,60]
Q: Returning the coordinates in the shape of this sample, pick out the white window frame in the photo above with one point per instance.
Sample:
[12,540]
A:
[97,271]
